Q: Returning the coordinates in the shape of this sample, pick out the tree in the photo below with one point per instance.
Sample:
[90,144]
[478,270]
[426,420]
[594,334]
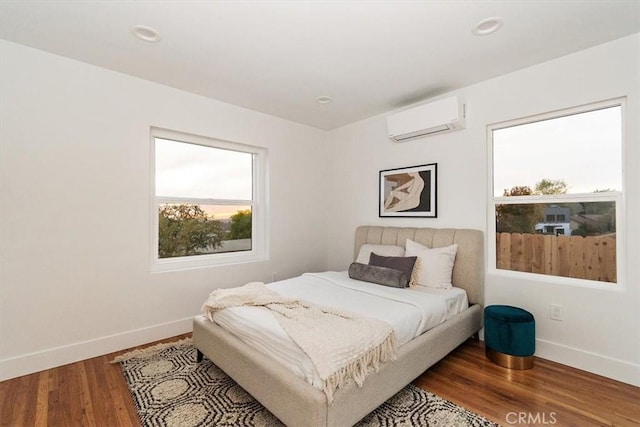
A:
[518,218]
[595,218]
[518,190]
[240,225]
[187,230]
[550,186]
[554,187]
[523,217]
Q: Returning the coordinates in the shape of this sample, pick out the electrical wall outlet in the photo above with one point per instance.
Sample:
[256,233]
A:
[555,312]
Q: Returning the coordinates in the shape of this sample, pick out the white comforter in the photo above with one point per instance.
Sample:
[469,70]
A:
[409,311]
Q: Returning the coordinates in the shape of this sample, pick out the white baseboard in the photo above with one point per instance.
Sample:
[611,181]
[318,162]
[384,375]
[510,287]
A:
[58,356]
[599,364]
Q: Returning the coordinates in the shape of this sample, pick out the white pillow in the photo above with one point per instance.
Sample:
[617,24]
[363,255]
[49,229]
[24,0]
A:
[383,250]
[434,266]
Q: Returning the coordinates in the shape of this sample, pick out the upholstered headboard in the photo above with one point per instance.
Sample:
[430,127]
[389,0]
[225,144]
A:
[468,270]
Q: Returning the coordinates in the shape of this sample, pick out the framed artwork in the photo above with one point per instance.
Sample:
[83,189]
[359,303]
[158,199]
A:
[409,192]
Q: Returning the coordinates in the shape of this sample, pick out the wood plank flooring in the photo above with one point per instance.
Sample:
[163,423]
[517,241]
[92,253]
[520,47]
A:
[548,394]
[94,393]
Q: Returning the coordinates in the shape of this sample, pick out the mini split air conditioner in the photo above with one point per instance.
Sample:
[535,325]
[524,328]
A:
[441,116]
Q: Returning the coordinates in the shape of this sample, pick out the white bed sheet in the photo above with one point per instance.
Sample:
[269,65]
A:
[410,312]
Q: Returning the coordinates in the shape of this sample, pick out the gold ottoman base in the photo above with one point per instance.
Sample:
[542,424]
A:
[509,361]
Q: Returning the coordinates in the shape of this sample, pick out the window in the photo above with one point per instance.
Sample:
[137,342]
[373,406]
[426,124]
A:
[208,201]
[556,198]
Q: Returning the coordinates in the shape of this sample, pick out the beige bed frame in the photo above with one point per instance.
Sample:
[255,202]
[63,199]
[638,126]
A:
[296,403]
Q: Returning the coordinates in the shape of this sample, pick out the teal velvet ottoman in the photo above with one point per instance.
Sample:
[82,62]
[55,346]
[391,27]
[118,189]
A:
[509,336]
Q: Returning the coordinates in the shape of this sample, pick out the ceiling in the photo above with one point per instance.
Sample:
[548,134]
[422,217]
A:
[278,57]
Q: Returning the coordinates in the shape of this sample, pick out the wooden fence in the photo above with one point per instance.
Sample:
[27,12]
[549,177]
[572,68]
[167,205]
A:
[592,257]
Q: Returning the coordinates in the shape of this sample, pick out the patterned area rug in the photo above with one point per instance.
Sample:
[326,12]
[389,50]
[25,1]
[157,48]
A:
[170,389]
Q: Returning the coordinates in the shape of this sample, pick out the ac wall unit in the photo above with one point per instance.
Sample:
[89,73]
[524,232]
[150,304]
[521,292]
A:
[441,116]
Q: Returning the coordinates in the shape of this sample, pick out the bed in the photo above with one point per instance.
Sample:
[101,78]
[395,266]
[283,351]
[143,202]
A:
[296,402]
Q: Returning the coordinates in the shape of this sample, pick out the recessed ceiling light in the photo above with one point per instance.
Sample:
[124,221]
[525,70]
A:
[145,33]
[487,26]
[323,99]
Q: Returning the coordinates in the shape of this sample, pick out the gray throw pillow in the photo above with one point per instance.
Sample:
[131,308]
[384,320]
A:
[404,264]
[379,275]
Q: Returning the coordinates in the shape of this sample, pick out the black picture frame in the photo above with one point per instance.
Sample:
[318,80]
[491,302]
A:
[409,192]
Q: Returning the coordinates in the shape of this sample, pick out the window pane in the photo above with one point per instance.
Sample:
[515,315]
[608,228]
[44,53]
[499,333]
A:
[562,239]
[582,150]
[192,229]
[198,171]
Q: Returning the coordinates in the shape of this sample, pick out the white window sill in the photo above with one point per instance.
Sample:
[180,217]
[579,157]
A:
[556,280]
[205,261]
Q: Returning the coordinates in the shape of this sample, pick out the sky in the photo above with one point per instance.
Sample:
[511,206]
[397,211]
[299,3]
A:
[584,150]
[196,171]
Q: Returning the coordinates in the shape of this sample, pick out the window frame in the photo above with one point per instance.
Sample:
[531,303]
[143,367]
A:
[258,203]
[618,197]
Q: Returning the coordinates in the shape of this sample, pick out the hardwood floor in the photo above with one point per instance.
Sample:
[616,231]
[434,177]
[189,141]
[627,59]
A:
[548,394]
[94,393]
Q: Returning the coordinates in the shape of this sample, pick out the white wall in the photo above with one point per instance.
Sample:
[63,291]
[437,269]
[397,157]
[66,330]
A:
[74,218]
[601,330]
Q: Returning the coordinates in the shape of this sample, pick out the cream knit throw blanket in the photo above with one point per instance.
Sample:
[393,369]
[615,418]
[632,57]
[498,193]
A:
[340,346]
